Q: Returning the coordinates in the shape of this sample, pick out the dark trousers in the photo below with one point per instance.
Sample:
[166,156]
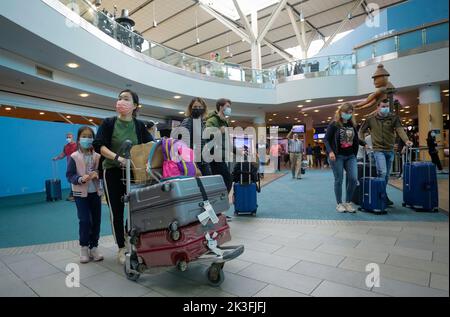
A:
[221,168]
[435,159]
[89,216]
[318,160]
[205,169]
[115,190]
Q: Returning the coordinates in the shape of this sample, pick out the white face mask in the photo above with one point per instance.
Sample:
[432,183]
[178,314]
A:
[227,111]
[68,140]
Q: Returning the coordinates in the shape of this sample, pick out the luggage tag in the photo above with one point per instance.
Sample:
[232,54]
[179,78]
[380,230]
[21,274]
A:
[209,213]
[212,244]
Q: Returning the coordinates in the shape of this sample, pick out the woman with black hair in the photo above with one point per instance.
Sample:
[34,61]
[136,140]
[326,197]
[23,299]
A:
[432,144]
[110,137]
[195,123]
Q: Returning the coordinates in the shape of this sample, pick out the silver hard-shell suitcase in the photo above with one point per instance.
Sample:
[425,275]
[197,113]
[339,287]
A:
[177,201]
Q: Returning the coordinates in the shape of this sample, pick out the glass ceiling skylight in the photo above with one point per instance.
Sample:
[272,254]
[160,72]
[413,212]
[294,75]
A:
[226,7]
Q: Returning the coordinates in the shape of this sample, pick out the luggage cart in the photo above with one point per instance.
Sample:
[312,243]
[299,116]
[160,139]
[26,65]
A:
[204,248]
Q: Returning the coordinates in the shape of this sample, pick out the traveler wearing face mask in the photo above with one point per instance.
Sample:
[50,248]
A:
[342,143]
[110,137]
[82,174]
[69,148]
[432,144]
[217,119]
[195,124]
[383,126]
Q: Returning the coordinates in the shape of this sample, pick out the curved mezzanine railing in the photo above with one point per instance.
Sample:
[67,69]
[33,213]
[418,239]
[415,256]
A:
[335,65]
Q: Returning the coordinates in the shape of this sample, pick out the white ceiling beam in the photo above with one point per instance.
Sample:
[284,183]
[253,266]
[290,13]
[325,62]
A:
[272,19]
[343,23]
[282,53]
[225,22]
[242,34]
[300,40]
[245,21]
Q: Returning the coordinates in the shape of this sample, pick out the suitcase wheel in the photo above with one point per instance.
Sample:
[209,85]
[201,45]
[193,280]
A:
[215,274]
[254,214]
[130,275]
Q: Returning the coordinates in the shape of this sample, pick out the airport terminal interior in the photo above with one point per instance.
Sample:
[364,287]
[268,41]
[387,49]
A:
[332,116]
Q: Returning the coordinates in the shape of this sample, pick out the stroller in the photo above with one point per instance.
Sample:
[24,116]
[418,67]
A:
[176,221]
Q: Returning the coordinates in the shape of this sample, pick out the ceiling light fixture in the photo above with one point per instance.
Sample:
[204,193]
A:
[317,110]
[84,95]
[8,109]
[72,65]
[177,97]
[300,106]
[68,117]
[41,113]
[340,100]
[308,101]
[181,112]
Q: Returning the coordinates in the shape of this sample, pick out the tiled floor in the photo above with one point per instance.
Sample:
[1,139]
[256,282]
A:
[282,258]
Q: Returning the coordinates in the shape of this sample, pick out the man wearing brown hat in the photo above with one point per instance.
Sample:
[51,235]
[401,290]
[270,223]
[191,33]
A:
[383,125]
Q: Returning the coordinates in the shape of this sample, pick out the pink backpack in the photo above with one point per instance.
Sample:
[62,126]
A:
[178,159]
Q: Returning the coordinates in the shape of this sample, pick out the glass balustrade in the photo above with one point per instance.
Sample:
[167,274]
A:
[404,41]
[267,78]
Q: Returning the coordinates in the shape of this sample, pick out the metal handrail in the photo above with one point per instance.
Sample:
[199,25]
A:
[424,26]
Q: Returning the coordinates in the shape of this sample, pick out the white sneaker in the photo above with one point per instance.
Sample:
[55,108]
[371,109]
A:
[84,255]
[121,255]
[95,255]
[341,208]
[349,207]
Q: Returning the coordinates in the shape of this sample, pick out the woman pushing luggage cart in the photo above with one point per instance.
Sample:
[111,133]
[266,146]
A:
[176,221]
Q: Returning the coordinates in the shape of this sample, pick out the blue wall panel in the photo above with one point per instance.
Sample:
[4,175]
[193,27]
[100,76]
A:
[415,13]
[27,149]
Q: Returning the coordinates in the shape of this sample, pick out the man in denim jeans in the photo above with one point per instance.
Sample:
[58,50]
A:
[383,126]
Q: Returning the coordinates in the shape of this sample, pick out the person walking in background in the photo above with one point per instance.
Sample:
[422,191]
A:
[342,143]
[110,136]
[383,126]
[432,149]
[309,155]
[295,148]
[67,151]
[317,153]
[82,174]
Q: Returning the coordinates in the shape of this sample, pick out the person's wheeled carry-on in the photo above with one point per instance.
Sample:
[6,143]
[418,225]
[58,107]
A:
[175,222]
[245,192]
[53,186]
[373,193]
[420,188]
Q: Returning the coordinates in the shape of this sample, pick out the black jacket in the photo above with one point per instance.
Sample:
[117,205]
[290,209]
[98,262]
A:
[105,132]
[332,139]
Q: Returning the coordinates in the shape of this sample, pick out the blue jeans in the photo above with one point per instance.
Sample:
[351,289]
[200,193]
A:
[349,164]
[89,215]
[383,161]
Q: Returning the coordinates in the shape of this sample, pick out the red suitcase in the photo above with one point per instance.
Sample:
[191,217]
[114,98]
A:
[157,248]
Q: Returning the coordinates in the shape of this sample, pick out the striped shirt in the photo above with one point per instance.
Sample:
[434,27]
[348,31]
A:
[295,146]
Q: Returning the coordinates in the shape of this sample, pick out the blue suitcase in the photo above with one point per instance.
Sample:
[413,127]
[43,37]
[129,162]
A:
[245,199]
[420,188]
[53,189]
[245,193]
[372,192]
[53,186]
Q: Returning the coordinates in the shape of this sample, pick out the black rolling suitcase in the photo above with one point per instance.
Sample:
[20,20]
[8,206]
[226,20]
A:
[357,194]
[53,186]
